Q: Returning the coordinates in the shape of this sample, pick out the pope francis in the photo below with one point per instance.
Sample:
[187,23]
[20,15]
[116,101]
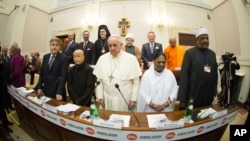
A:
[117,68]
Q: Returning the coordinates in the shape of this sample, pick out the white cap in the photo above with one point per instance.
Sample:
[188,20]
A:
[130,35]
[200,31]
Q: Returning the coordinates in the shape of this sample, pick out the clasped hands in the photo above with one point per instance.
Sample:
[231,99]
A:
[160,107]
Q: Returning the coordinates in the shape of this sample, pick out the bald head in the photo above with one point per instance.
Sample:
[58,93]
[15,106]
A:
[78,56]
[172,41]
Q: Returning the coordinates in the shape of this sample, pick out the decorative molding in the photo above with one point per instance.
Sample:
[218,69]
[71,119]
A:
[77,31]
[64,4]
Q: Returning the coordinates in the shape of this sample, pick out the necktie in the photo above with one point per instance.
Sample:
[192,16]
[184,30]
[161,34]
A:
[151,47]
[51,60]
[6,59]
[67,47]
[84,45]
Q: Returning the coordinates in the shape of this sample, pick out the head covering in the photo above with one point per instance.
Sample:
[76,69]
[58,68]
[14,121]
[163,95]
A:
[105,28]
[130,35]
[200,31]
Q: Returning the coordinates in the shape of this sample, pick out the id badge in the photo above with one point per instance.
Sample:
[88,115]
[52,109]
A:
[207,69]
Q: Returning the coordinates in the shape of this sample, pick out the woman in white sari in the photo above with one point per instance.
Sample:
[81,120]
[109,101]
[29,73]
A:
[158,88]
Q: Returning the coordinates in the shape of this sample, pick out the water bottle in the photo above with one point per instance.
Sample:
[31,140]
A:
[189,110]
[93,108]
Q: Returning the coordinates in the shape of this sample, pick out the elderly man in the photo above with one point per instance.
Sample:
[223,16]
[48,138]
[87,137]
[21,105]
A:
[117,69]
[198,73]
[53,75]
[131,48]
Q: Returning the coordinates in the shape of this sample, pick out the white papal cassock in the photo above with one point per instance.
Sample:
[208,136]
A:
[123,70]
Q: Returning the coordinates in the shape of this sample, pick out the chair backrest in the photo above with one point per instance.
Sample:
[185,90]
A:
[36,79]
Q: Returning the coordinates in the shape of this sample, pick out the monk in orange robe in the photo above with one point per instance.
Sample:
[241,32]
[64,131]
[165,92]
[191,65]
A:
[174,54]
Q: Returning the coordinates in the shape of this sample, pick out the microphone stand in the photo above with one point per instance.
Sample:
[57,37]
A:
[117,87]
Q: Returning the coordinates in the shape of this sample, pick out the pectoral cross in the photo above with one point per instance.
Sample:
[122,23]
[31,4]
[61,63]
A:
[110,78]
[123,24]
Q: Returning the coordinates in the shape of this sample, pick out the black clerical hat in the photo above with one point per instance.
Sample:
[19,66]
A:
[105,28]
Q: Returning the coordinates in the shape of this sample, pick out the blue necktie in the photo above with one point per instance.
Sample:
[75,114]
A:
[51,60]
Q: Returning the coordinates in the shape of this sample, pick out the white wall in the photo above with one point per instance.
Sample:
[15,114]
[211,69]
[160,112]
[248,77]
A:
[139,13]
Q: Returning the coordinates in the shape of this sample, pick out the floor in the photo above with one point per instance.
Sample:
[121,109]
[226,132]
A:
[20,135]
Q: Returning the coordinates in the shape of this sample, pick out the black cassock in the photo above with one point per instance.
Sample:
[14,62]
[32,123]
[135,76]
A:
[81,83]
[194,81]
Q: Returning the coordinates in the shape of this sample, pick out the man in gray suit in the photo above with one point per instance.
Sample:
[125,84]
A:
[149,49]
[70,47]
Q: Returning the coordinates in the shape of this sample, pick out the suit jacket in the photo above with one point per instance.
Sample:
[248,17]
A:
[5,73]
[69,52]
[147,56]
[53,81]
[89,52]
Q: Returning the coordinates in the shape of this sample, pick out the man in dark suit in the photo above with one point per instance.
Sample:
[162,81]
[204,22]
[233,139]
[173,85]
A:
[149,49]
[5,74]
[3,117]
[88,48]
[53,74]
[70,47]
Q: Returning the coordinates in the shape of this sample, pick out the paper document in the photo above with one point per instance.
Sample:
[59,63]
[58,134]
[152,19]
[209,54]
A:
[40,100]
[67,107]
[125,119]
[23,91]
[154,119]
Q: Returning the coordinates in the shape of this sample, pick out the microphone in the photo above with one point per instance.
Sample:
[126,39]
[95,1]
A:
[117,87]
[96,84]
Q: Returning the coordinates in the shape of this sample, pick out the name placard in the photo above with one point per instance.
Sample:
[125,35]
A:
[169,125]
[106,123]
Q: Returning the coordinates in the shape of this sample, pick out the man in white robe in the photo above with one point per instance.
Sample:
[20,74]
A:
[158,88]
[117,67]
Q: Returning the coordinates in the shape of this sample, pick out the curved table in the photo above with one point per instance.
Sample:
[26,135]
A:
[43,124]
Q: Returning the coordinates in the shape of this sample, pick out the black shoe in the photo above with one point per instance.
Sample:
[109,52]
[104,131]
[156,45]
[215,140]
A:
[10,123]
[8,130]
